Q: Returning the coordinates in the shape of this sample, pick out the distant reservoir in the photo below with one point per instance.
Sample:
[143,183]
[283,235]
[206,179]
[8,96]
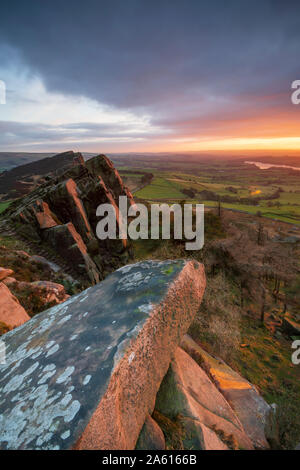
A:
[266,166]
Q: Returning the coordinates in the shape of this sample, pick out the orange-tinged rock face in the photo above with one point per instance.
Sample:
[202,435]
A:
[137,376]
[11,312]
[227,381]
[251,409]
[223,375]
[45,220]
[188,391]
[4,273]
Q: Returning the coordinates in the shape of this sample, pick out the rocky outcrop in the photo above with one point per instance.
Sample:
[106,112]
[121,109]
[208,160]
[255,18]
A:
[8,281]
[255,415]
[189,393]
[11,312]
[203,404]
[37,283]
[85,374]
[4,273]
[41,260]
[46,291]
[24,178]
[61,213]
[68,243]
[113,368]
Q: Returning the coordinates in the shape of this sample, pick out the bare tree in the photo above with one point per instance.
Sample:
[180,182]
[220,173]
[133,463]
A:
[260,234]
[219,208]
[263,305]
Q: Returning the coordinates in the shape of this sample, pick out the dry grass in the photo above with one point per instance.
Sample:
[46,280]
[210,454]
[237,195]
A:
[217,324]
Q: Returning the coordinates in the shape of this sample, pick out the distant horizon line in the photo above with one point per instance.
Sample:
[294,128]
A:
[225,153]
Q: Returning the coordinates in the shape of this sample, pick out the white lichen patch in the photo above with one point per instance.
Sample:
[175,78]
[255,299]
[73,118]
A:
[52,350]
[121,349]
[86,379]
[143,265]
[65,434]
[64,319]
[46,324]
[146,308]
[126,269]
[16,381]
[65,375]
[46,377]
[131,357]
[41,408]
[49,367]
[132,281]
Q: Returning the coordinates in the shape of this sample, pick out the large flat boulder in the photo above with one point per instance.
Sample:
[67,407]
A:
[255,414]
[11,311]
[85,374]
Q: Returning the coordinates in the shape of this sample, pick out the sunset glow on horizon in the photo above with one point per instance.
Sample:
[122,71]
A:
[177,78]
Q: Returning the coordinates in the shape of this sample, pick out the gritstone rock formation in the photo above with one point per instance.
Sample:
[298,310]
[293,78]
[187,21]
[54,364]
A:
[11,312]
[113,368]
[61,213]
[85,373]
[213,406]
[24,178]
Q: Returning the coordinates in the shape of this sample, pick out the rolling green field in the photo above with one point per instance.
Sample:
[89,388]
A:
[160,188]
[276,192]
[3,206]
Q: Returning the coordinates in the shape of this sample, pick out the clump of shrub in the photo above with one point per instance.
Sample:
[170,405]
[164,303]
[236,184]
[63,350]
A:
[217,324]
[32,300]
[4,328]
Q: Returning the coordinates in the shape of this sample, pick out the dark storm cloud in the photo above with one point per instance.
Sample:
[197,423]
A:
[151,53]
[195,69]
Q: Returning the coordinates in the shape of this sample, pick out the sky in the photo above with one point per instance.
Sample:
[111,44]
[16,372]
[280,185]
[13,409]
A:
[150,75]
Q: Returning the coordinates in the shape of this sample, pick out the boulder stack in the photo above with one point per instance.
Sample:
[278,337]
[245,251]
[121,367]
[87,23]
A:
[61,213]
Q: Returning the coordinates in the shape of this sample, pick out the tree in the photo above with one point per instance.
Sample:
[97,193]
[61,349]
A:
[263,305]
[219,208]
[260,234]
